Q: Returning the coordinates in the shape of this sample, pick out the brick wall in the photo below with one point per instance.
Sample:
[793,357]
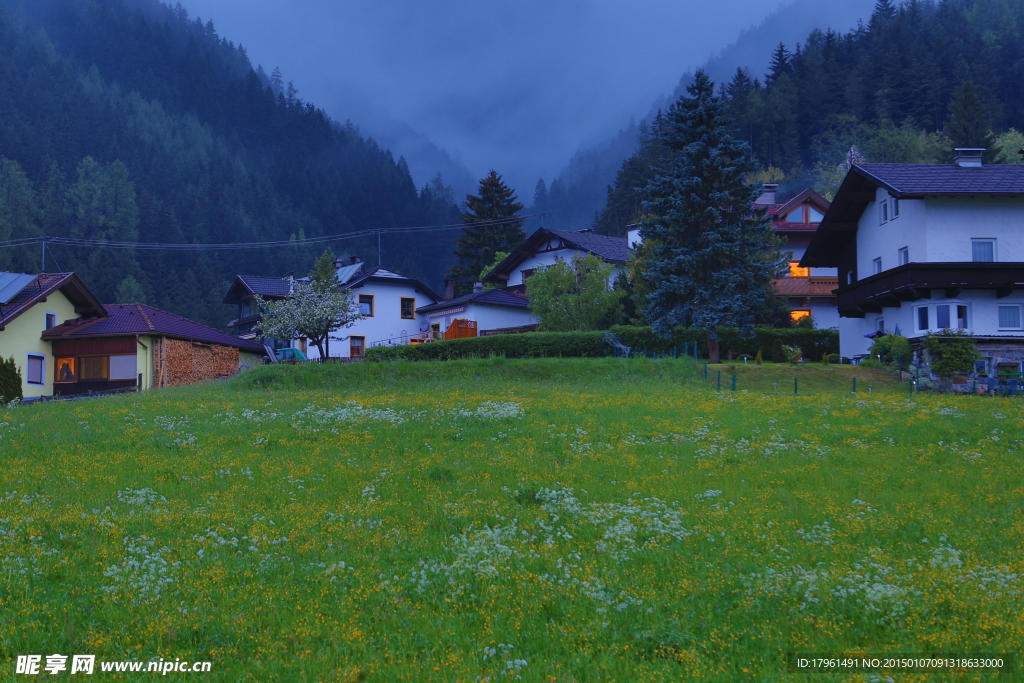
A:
[182,362]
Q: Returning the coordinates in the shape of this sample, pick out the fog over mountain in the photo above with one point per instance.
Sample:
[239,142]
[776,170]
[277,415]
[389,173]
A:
[517,86]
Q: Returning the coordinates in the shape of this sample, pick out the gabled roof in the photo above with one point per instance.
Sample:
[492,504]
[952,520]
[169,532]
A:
[42,285]
[808,196]
[838,229]
[606,247]
[245,286]
[132,319]
[507,298]
[385,276]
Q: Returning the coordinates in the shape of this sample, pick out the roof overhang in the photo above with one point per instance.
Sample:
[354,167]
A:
[838,229]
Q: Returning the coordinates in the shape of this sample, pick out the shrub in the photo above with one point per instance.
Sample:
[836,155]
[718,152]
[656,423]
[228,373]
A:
[759,358]
[834,359]
[871,362]
[892,348]
[10,381]
[768,341]
[951,352]
[793,353]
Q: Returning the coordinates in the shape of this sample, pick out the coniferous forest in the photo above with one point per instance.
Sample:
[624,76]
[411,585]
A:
[125,120]
[915,80]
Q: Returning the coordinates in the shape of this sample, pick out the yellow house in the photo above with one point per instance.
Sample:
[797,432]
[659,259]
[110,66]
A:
[30,305]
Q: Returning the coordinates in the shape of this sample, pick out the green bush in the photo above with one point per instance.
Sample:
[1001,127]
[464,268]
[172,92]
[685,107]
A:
[530,345]
[892,348]
[10,381]
[793,353]
[951,352]
[764,342]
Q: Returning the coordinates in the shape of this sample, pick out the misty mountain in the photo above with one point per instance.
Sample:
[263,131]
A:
[584,183]
[125,120]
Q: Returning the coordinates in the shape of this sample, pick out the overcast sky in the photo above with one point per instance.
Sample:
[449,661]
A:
[515,85]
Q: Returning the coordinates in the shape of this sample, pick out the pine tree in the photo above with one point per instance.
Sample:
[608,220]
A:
[324,275]
[710,258]
[967,125]
[492,224]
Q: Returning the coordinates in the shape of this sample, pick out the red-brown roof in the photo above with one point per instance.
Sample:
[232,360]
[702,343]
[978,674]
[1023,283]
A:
[132,319]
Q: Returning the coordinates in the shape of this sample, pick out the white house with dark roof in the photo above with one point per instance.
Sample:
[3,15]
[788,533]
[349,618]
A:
[925,247]
[545,247]
[487,311]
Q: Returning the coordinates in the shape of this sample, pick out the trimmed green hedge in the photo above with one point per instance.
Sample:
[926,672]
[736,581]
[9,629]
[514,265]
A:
[529,345]
[813,343]
[769,340]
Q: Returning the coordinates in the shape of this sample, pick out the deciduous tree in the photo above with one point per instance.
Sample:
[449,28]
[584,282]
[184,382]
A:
[571,297]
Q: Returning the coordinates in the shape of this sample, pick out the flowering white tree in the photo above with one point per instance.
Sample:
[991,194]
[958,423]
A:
[312,311]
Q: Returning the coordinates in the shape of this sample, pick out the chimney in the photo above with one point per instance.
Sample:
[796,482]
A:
[767,197]
[478,287]
[449,289]
[968,157]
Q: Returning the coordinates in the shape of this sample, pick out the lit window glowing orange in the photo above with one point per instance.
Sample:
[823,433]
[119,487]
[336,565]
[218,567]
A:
[798,315]
[796,271]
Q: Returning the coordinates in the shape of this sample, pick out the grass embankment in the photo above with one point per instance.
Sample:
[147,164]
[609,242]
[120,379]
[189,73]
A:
[580,519]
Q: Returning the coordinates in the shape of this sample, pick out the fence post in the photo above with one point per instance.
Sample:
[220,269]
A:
[719,380]
[734,382]
[705,373]
[796,389]
[855,385]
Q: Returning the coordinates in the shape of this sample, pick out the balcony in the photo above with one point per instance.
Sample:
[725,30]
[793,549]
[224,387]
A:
[914,281]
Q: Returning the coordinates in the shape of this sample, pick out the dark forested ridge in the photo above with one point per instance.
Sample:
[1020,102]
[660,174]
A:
[124,120]
[914,80]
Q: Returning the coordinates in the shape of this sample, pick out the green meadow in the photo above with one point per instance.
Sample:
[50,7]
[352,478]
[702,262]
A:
[499,519]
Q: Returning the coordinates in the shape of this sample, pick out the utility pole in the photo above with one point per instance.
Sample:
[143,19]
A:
[379,256]
[42,267]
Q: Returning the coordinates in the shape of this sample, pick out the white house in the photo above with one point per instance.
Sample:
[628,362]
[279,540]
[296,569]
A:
[388,302]
[546,247]
[922,248]
[486,311]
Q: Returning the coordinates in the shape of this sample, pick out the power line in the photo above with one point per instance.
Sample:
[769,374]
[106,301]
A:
[237,246]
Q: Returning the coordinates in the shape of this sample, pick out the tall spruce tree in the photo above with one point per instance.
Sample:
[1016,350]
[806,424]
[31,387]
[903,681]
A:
[710,257]
[492,224]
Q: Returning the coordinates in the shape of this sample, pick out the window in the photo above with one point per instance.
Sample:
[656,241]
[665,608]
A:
[51,321]
[895,207]
[876,265]
[983,250]
[245,309]
[799,314]
[34,367]
[1009,317]
[883,215]
[961,317]
[849,277]
[796,216]
[122,367]
[408,305]
[64,370]
[904,256]
[813,215]
[356,346]
[796,271]
[528,272]
[942,316]
[881,325]
[435,330]
[92,368]
[366,305]
[922,318]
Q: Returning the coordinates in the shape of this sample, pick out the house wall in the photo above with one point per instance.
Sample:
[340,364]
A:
[541,260]
[178,361]
[825,316]
[23,336]
[248,361]
[487,317]
[387,322]
[982,319]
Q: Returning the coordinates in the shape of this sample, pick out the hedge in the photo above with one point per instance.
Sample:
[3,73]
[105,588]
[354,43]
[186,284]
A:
[768,340]
[10,380]
[814,344]
[529,345]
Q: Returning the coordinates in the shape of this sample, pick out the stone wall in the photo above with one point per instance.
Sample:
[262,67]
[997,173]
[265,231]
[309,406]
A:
[176,361]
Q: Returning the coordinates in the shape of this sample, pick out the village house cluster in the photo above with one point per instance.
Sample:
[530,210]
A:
[911,249]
